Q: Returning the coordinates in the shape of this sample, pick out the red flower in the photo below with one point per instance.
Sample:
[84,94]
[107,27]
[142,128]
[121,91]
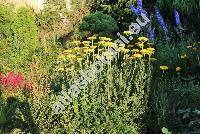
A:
[8,79]
[21,81]
[13,81]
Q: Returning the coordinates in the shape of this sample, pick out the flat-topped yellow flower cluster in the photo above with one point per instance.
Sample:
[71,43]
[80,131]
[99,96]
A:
[83,51]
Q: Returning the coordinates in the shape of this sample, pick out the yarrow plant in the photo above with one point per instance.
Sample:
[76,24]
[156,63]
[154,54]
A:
[106,58]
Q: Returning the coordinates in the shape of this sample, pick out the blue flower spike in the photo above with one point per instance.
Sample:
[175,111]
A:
[151,36]
[177,17]
[160,20]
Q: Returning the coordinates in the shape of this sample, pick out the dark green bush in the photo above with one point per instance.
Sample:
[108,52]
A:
[99,23]
[119,10]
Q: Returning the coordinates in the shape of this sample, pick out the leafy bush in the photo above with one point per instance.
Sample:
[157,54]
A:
[24,36]
[6,19]
[119,10]
[99,23]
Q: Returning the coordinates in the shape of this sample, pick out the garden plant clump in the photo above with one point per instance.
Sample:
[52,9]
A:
[100,67]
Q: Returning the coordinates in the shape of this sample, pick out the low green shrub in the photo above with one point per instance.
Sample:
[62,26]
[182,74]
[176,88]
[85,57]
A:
[98,23]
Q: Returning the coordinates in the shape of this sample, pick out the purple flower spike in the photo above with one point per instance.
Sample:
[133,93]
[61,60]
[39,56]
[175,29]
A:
[139,3]
[160,20]
[152,34]
[139,8]
[136,11]
[178,21]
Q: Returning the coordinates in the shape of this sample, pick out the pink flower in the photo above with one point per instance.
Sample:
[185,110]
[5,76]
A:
[21,81]
[8,79]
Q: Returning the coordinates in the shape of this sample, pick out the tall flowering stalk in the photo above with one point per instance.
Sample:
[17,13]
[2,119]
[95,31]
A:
[178,22]
[160,20]
[151,34]
[139,8]
[177,18]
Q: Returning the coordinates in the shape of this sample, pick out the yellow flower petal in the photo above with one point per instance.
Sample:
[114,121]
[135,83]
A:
[127,32]
[178,69]
[164,67]
[143,39]
[137,55]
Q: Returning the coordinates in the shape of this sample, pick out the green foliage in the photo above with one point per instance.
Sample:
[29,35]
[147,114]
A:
[25,36]
[176,93]
[165,131]
[115,102]
[2,112]
[49,18]
[119,10]
[99,23]
[6,18]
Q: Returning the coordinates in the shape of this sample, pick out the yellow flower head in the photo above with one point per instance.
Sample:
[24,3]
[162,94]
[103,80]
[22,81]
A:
[105,39]
[121,48]
[127,32]
[131,58]
[183,56]
[79,59]
[108,44]
[68,51]
[178,69]
[71,56]
[89,50]
[92,38]
[145,51]
[143,39]
[125,50]
[86,42]
[189,46]
[164,67]
[108,39]
[151,49]
[137,55]
[62,57]
[93,47]
[101,42]
[121,45]
[61,69]
[102,38]
[77,48]
[135,50]
[76,42]
[140,44]
[85,47]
